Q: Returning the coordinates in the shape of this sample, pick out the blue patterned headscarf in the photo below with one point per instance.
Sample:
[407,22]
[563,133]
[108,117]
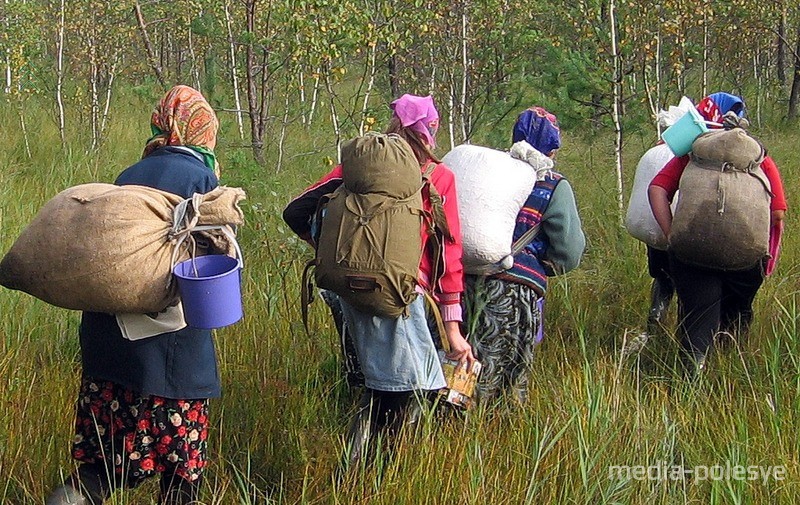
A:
[538,128]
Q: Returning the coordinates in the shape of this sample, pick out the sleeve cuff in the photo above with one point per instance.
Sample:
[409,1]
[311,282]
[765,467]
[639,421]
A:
[451,311]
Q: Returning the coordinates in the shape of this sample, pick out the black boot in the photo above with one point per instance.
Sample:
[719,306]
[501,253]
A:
[178,491]
[694,362]
[66,494]
[351,366]
[660,295]
[360,437]
[88,485]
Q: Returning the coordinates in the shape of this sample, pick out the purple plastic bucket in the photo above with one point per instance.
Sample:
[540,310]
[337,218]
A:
[211,290]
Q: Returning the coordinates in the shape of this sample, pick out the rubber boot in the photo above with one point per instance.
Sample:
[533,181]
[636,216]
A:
[351,366]
[66,494]
[661,293]
[694,362]
[178,491]
[360,434]
[88,485]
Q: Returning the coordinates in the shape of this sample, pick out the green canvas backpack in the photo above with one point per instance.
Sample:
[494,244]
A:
[370,245]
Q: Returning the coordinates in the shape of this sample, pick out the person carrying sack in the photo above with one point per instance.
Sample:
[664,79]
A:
[712,108]
[398,354]
[716,294]
[504,310]
[146,379]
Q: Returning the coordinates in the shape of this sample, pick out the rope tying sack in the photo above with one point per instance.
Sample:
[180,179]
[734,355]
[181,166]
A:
[185,219]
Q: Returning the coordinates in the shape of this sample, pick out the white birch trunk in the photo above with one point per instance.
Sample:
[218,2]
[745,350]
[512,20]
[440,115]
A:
[314,97]
[465,73]
[284,125]
[617,85]
[234,73]
[658,76]
[334,116]
[24,128]
[95,98]
[451,113]
[301,83]
[8,71]
[368,92]
[60,74]
[652,103]
[8,59]
[112,73]
[432,81]
[705,48]
[759,88]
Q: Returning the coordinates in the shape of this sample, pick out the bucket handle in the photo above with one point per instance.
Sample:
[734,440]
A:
[226,230]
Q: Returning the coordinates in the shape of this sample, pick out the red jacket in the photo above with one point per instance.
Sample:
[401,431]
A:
[300,210]
[670,176]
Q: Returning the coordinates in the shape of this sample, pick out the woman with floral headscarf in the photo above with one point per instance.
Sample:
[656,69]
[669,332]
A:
[398,356]
[142,409]
[714,304]
[504,310]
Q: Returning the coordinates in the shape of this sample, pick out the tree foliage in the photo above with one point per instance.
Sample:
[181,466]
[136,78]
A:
[341,61]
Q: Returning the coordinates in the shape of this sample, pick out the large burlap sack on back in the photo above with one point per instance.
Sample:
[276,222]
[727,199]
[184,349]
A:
[106,248]
[639,219]
[492,187]
[722,218]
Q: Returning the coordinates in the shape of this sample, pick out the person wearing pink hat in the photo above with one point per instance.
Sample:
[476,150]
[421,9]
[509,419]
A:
[399,357]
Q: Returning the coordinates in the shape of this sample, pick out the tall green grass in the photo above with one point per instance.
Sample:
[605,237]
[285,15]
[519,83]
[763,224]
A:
[276,434]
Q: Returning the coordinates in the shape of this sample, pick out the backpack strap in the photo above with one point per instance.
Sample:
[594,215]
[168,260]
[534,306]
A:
[440,229]
[433,307]
[439,217]
[306,292]
[525,239]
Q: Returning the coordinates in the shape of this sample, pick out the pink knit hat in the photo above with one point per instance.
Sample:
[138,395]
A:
[419,114]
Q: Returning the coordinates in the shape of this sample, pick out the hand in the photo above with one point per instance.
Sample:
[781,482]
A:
[460,349]
[730,120]
[776,216]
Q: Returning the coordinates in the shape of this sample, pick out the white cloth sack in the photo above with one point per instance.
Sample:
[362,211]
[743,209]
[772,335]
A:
[639,220]
[492,187]
[669,117]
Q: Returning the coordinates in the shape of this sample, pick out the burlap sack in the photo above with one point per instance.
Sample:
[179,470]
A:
[722,217]
[734,147]
[106,248]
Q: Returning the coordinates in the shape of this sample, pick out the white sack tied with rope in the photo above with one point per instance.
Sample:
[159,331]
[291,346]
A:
[492,187]
[104,248]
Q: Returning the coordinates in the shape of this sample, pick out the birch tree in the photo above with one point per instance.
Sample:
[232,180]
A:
[21,45]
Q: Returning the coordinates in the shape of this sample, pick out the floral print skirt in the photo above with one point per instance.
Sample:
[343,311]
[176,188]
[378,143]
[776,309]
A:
[139,436]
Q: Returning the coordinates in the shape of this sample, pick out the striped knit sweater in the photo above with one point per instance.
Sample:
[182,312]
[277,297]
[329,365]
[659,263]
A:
[528,268]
